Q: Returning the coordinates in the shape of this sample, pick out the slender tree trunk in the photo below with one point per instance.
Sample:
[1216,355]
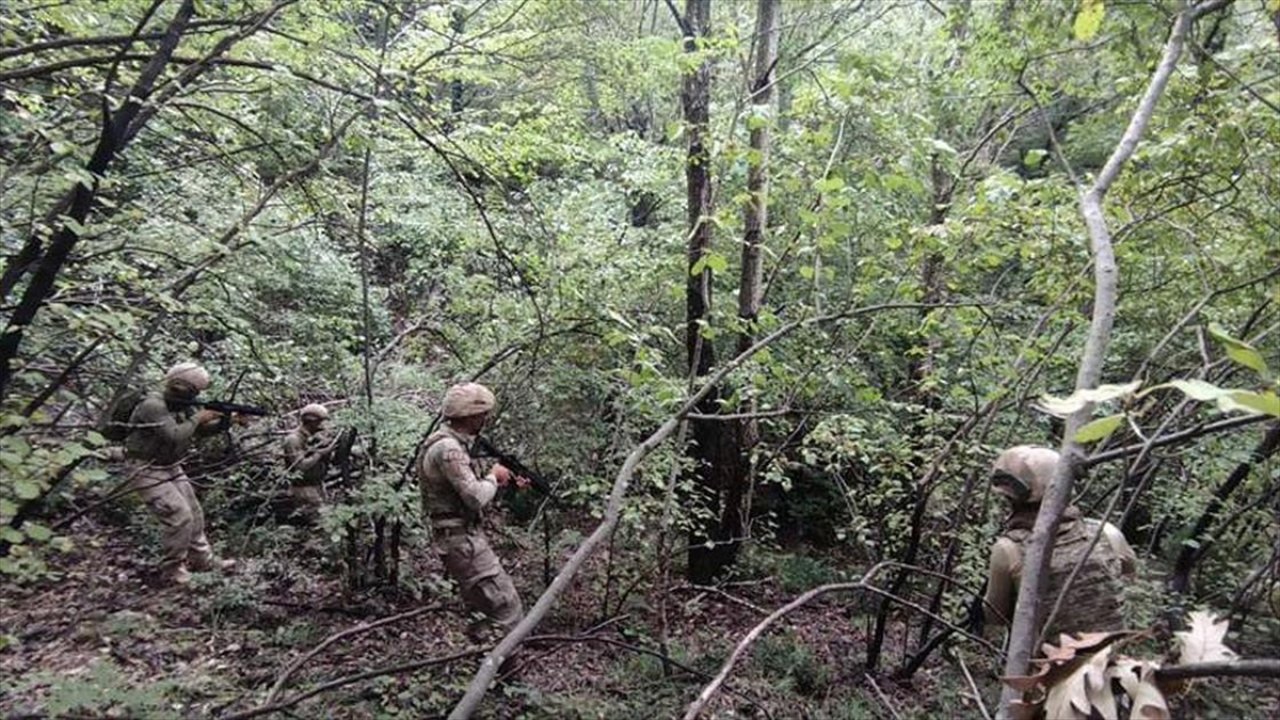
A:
[1025,629]
[1196,545]
[733,520]
[717,459]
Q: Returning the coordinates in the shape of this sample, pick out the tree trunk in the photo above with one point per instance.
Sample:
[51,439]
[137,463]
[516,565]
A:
[737,505]
[715,454]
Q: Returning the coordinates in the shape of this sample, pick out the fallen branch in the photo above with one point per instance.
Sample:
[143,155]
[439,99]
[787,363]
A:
[283,679]
[699,704]
[349,679]
[708,589]
[488,671]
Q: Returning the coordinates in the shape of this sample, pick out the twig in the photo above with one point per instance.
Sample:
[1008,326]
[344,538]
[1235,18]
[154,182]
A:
[283,679]
[349,679]
[699,704]
[708,589]
[977,696]
[1234,668]
[884,699]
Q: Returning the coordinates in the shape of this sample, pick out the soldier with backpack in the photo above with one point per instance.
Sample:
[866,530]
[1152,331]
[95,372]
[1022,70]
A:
[1095,601]
[160,430]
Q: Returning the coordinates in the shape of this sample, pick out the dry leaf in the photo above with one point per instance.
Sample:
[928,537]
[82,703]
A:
[1137,677]
[1204,641]
[1098,685]
[1069,697]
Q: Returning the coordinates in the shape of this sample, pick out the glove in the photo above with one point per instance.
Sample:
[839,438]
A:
[976,617]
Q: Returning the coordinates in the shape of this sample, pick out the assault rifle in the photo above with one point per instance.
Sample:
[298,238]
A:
[540,483]
[228,408]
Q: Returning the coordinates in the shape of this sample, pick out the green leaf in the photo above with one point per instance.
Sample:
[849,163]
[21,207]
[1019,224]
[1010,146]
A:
[26,490]
[1098,429]
[1198,389]
[829,184]
[1034,158]
[1089,19]
[36,532]
[11,536]
[1267,403]
[715,262]
[1239,351]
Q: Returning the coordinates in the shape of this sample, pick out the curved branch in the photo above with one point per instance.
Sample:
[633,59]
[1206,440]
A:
[1039,547]
[485,676]
[699,704]
[283,679]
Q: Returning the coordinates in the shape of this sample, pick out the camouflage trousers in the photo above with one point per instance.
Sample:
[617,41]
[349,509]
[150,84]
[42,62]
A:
[169,496]
[307,500]
[486,587]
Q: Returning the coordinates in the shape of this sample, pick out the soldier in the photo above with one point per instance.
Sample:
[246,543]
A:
[1096,599]
[307,453]
[454,496]
[161,428]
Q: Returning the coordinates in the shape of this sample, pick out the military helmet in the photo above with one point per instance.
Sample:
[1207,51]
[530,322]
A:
[314,410]
[190,373]
[467,399]
[1023,473]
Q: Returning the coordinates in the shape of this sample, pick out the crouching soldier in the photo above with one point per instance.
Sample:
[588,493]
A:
[161,429]
[1095,600]
[307,452]
[454,496]
[311,453]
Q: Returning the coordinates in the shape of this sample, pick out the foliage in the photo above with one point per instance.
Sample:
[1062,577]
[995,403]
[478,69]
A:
[361,203]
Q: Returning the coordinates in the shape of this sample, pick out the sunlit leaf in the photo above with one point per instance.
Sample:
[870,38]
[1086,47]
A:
[1062,407]
[1099,429]
[1089,19]
[1239,351]
[1137,679]
[1267,403]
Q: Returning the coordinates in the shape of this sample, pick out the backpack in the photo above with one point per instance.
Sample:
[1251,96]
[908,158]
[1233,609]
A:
[1096,602]
[114,424]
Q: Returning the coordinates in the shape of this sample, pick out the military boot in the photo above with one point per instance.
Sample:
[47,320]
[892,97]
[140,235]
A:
[207,563]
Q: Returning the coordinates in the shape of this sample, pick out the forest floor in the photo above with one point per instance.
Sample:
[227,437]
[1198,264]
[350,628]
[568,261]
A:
[97,640]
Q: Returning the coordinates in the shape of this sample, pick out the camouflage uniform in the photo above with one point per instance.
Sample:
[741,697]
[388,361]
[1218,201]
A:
[161,430]
[454,495]
[1096,600]
[307,454]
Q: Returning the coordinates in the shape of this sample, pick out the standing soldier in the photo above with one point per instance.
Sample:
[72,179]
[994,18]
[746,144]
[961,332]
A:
[454,495]
[1096,599]
[161,428]
[307,454]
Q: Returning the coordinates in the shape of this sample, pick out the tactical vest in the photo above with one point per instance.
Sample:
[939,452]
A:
[440,501]
[1095,602]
